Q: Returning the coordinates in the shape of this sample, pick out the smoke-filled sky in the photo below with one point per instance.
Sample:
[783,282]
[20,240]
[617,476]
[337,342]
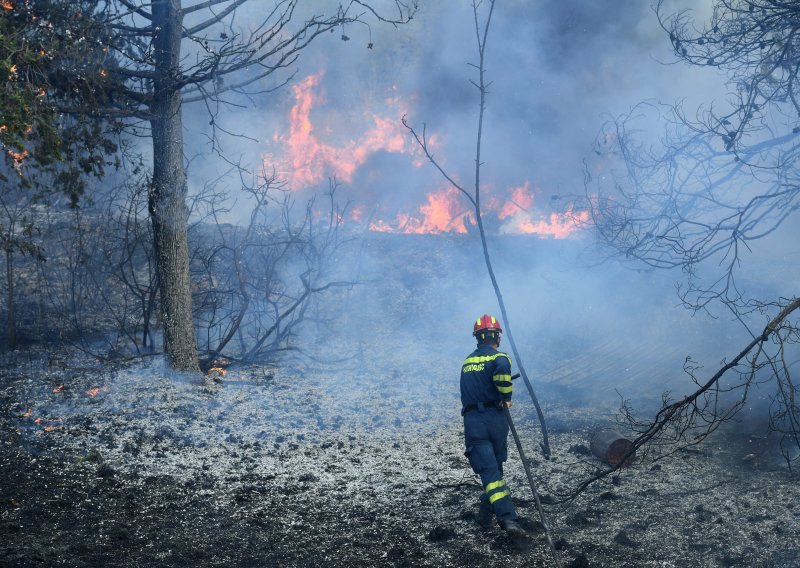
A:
[557,71]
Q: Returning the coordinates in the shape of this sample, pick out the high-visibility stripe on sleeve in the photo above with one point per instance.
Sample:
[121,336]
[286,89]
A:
[494,485]
[499,495]
[503,384]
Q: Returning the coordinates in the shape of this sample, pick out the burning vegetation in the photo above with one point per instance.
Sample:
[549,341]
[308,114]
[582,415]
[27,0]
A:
[263,372]
[312,152]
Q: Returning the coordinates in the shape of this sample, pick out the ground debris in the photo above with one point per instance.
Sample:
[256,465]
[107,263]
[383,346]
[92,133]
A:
[159,470]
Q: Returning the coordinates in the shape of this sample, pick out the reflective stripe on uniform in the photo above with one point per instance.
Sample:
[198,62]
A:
[485,358]
[494,485]
[499,495]
[496,490]
[503,383]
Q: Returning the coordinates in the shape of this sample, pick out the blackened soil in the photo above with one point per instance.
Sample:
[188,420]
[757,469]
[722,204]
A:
[61,510]
[57,512]
[161,471]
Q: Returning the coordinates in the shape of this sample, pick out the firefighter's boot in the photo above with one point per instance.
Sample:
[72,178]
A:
[485,515]
[514,529]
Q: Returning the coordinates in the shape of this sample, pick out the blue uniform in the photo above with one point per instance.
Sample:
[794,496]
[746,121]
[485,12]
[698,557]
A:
[485,383]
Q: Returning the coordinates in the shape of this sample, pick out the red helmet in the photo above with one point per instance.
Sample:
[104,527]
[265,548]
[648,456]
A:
[486,323]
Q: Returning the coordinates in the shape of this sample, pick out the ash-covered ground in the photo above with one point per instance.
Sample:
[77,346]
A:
[350,453]
[269,467]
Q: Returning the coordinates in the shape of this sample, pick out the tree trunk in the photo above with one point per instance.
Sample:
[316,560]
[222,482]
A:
[12,317]
[167,199]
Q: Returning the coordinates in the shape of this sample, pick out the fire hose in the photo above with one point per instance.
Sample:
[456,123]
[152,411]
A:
[536,499]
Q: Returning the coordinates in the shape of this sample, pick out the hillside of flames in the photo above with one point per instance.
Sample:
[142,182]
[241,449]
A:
[309,154]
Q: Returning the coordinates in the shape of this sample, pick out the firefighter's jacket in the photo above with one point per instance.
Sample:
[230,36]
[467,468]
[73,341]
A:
[485,377]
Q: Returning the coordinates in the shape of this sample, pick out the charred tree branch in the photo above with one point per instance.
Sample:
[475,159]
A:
[686,413]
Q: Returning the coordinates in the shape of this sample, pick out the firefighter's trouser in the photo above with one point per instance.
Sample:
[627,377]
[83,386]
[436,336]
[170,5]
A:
[486,439]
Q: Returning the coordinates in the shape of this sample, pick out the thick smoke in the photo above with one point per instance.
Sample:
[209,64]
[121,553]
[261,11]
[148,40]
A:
[558,71]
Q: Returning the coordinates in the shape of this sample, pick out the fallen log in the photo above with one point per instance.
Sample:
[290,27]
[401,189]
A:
[611,447]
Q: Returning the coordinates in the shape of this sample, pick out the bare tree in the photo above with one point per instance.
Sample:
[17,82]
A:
[99,291]
[166,52]
[473,195]
[18,236]
[127,272]
[257,282]
[721,179]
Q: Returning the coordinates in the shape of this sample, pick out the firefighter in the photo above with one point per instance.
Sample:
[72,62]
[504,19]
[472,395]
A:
[485,390]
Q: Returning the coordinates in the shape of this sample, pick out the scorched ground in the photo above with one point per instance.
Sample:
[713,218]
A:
[351,454]
[262,468]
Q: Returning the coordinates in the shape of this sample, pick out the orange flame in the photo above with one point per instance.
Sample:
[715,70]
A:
[58,388]
[49,428]
[521,200]
[8,6]
[27,414]
[446,212]
[94,392]
[443,213]
[308,160]
[558,226]
[218,370]
[518,214]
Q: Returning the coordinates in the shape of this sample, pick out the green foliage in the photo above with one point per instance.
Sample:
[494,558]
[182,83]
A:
[50,134]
